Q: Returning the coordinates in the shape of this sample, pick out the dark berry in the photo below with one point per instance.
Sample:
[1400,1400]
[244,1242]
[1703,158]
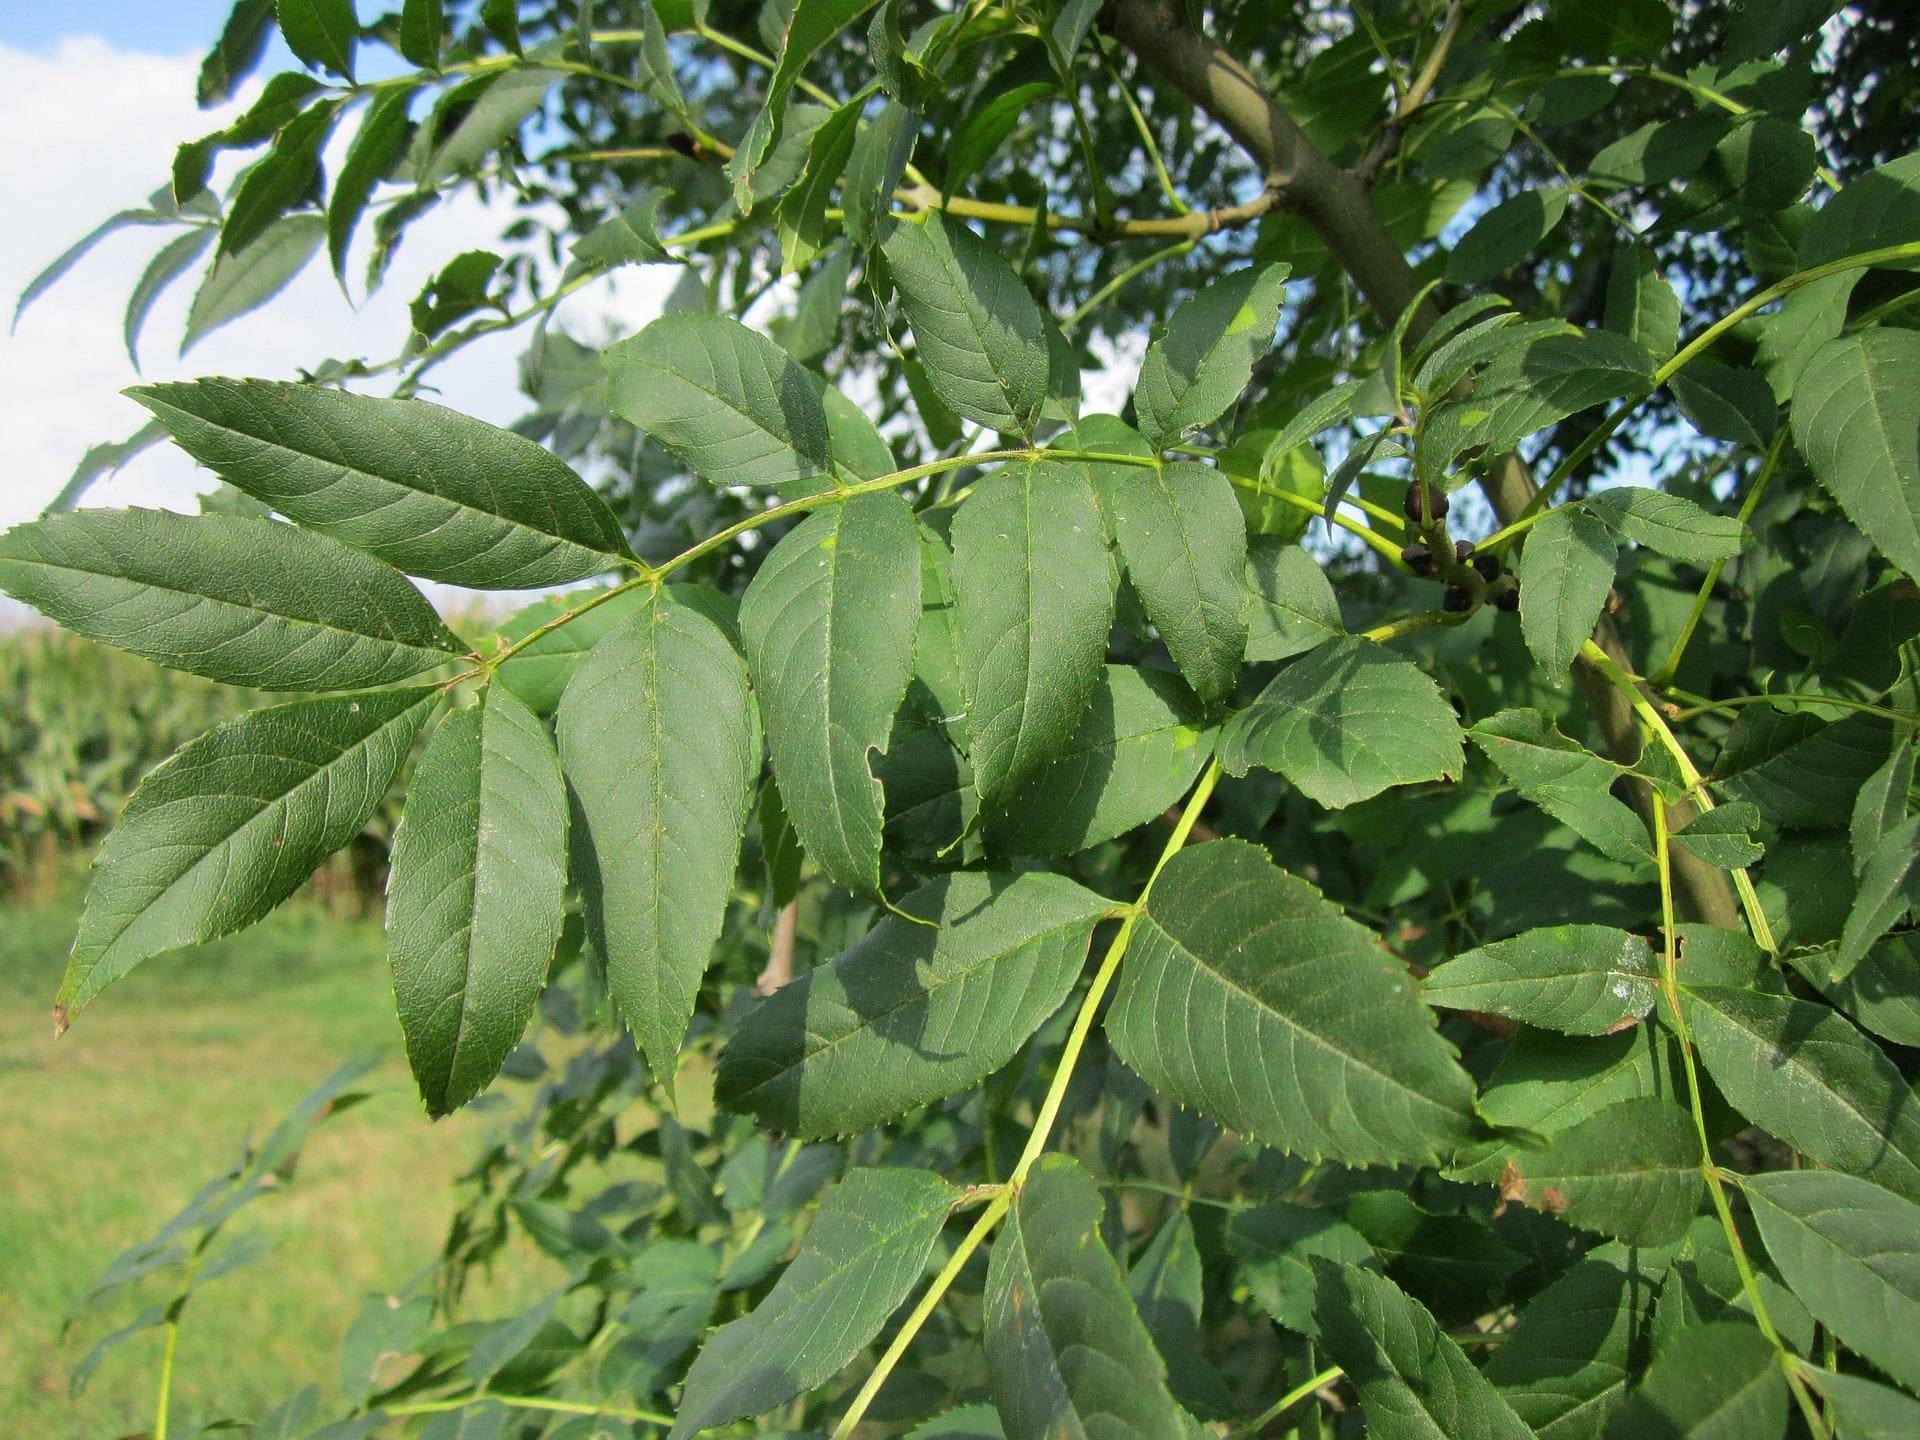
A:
[1436,501]
[1462,549]
[1488,566]
[1456,600]
[683,143]
[1418,558]
[1508,600]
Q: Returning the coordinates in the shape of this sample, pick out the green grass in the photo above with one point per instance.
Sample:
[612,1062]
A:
[107,1131]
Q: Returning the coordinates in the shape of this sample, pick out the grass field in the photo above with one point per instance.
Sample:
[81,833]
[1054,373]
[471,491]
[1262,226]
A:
[106,1132]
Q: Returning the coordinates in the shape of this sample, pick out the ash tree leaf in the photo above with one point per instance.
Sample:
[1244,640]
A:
[1565,1366]
[1719,1381]
[829,624]
[474,903]
[725,400]
[1293,607]
[1454,1264]
[660,746]
[1529,387]
[1851,1251]
[1877,211]
[1641,304]
[491,110]
[1506,235]
[863,1254]
[1248,997]
[1856,417]
[1565,779]
[242,40]
[801,216]
[1565,572]
[1887,891]
[1727,404]
[1167,1282]
[1723,836]
[1033,611]
[1803,1072]
[423,25]
[275,183]
[240,283]
[979,332]
[1577,979]
[1415,1383]
[1669,524]
[1800,772]
[1866,1409]
[917,1009]
[1275,1244]
[539,673]
[1630,1170]
[430,491]
[1346,722]
[248,602]
[176,257]
[1067,1353]
[1195,371]
[1184,539]
[232,823]
[629,238]
[808,25]
[321,32]
[1137,751]
[1880,805]
[383,132]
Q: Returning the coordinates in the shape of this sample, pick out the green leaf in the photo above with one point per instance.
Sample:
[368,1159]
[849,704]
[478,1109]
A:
[1720,1381]
[1856,417]
[249,602]
[321,32]
[539,673]
[808,25]
[1529,387]
[1801,1071]
[1851,1250]
[278,181]
[491,111]
[727,401]
[865,1251]
[801,218]
[1565,779]
[969,1422]
[1669,524]
[1565,1366]
[386,1325]
[829,622]
[1196,370]
[1641,305]
[1184,539]
[1882,992]
[660,747]
[423,25]
[1066,1351]
[1453,1263]
[1167,1281]
[1727,404]
[918,1009]
[1887,890]
[1565,572]
[1881,805]
[1867,1410]
[242,40]
[1577,979]
[1275,1244]
[1033,612]
[874,169]
[1723,836]
[817,311]
[1136,752]
[1414,1381]
[474,904]
[978,330]
[231,825]
[429,490]
[1801,773]
[1506,235]
[988,122]
[376,144]
[1877,211]
[1630,1170]
[1293,609]
[1250,998]
[242,282]
[1346,722]
[176,257]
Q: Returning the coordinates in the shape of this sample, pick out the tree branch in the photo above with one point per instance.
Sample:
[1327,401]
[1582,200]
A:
[1336,203]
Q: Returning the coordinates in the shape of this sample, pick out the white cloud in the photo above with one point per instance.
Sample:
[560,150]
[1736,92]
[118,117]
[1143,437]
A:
[65,166]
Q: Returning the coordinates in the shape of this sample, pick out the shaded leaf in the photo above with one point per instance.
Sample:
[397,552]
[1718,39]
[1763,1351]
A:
[1195,371]
[1578,979]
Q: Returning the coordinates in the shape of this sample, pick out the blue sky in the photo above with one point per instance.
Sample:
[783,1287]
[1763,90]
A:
[160,27]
